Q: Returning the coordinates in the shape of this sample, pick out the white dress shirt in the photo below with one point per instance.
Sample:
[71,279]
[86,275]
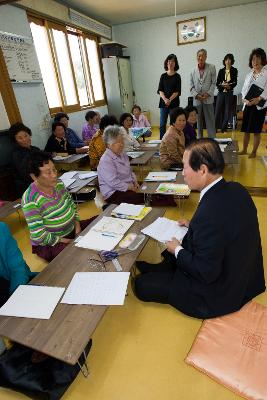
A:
[203,191]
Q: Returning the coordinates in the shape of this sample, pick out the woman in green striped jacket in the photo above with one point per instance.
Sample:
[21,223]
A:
[49,210]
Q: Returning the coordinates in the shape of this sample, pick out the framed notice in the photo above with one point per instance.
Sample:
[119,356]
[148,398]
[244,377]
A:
[191,30]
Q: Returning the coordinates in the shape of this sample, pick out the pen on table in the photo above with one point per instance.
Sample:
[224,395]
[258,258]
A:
[108,234]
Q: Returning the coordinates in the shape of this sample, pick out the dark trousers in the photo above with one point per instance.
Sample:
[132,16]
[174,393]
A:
[50,252]
[132,197]
[154,285]
[164,112]
[223,110]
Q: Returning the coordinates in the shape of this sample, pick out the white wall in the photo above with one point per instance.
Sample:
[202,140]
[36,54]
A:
[31,97]
[234,30]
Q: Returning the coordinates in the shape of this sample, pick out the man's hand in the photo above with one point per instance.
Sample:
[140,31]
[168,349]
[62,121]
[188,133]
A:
[172,244]
[183,222]
[167,102]
[255,101]
[199,97]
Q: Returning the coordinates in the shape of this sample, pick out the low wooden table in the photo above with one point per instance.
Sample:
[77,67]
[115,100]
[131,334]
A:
[143,160]
[9,208]
[65,335]
[72,162]
[149,188]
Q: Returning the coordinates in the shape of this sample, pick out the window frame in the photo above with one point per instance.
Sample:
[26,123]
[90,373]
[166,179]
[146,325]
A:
[82,35]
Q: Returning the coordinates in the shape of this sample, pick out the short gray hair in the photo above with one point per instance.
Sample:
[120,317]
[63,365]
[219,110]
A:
[111,134]
[202,51]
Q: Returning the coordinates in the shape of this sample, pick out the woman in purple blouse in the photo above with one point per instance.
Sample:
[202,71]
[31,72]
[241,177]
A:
[117,182]
[89,128]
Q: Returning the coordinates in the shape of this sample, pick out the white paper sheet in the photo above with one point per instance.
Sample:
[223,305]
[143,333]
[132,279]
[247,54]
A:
[88,174]
[105,234]
[31,301]
[222,147]
[158,176]
[164,229]
[99,241]
[99,288]
[128,209]
[112,225]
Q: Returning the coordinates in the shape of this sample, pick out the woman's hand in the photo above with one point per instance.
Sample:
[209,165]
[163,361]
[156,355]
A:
[255,101]
[77,227]
[65,240]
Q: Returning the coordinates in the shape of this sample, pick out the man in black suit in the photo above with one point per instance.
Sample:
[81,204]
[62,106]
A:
[218,267]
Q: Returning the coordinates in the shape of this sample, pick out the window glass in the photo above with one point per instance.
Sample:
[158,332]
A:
[95,69]
[78,69]
[64,65]
[45,59]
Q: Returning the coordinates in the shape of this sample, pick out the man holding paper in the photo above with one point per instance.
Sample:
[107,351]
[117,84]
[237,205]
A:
[218,266]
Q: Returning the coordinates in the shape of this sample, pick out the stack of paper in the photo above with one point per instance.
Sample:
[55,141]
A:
[161,176]
[100,288]
[87,174]
[105,234]
[150,145]
[131,211]
[134,154]
[164,229]
[31,301]
[173,188]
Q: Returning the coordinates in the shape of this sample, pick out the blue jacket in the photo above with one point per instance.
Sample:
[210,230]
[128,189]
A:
[74,140]
[13,268]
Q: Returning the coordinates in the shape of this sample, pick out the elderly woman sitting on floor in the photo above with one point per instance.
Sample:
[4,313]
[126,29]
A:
[49,210]
[118,183]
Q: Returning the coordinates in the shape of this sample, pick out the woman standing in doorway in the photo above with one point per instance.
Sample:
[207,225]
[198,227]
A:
[255,108]
[169,90]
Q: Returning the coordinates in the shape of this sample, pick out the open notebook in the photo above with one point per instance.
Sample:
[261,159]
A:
[105,234]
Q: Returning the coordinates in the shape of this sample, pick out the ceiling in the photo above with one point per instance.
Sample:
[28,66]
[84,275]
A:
[116,12]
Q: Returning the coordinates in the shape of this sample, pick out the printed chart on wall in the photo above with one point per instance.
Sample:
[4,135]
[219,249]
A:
[20,58]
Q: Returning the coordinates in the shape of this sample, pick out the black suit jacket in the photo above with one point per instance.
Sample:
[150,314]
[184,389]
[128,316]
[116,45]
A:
[221,265]
[221,78]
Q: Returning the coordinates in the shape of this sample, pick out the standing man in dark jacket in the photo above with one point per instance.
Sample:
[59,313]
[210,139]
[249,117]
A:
[218,267]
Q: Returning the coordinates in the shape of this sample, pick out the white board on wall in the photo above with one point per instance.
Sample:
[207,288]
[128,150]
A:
[20,57]
[4,121]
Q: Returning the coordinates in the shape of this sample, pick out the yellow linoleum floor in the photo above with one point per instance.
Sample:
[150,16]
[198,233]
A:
[139,349]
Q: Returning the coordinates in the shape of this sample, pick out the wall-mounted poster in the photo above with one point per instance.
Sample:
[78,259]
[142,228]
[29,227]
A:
[191,30]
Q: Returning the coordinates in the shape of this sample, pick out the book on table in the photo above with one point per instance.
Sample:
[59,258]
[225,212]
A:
[173,188]
[131,211]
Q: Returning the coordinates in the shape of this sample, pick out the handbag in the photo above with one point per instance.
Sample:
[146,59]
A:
[45,380]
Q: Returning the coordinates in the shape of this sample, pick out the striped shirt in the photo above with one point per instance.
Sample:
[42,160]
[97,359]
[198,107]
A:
[49,217]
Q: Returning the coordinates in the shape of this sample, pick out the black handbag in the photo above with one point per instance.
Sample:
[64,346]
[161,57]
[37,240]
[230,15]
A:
[45,380]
